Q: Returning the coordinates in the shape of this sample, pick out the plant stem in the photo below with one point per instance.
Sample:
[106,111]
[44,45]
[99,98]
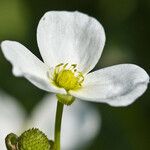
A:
[58,119]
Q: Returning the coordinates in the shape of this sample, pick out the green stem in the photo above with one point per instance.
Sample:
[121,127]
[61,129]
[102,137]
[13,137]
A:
[58,119]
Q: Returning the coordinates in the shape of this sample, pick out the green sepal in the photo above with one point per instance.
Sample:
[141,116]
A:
[51,142]
[66,99]
[11,141]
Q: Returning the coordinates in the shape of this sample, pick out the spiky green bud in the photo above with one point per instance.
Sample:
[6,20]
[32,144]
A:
[33,139]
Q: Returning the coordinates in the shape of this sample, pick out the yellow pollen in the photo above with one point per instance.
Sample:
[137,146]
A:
[67,78]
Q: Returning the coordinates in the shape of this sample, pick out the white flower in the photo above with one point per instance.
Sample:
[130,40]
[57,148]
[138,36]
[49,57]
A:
[81,121]
[71,44]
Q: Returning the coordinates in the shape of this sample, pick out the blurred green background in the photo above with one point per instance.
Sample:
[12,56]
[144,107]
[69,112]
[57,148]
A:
[127,27]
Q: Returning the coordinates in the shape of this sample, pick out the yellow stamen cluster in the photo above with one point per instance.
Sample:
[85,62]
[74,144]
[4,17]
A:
[67,77]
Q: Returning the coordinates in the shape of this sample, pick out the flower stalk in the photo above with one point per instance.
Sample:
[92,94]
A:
[58,120]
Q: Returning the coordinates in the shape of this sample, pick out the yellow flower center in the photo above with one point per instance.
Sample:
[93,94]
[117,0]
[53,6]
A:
[67,77]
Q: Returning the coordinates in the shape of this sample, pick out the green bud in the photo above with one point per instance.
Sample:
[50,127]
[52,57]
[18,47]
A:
[65,98]
[33,139]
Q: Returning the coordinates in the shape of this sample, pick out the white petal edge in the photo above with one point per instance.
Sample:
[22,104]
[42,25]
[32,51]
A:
[118,85]
[12,117]
[81,122]
[28,65]
[70,37]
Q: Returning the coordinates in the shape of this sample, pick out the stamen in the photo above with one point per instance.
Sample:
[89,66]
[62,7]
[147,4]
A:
[65,65]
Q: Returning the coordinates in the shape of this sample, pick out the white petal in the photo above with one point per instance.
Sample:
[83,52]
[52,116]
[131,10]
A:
[28,65]
[70,37]
[81,122]
[12,117]
[119,85]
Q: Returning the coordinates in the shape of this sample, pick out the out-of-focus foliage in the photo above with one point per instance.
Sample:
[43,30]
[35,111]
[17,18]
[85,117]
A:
[127,27]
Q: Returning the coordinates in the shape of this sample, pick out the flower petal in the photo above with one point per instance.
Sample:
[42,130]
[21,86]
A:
[70,37]
[12,117]
[28,65]
[81,122]
[119,85]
